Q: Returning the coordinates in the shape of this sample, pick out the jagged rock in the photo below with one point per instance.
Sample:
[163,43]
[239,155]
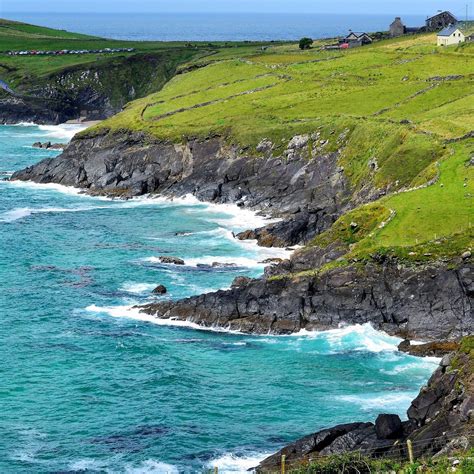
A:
[171,260]
[222,265]
[271,261]
[264,146]
[240,281]
[388,427]
[160,290]
[297,142]
[392,297]
[430,349]
[309,194]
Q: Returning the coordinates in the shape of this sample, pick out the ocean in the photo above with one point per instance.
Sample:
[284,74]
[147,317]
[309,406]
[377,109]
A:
[91,385]
[213,26]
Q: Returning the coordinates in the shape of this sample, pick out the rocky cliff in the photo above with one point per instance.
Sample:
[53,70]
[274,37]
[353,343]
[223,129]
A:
[92,90]
[440,421]
[309,192]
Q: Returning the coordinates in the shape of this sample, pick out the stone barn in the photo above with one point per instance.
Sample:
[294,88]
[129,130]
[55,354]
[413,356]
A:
[440,20]
[397,28]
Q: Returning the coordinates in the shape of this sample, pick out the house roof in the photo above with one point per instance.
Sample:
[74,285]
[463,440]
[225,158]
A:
[466,28]
[440,13]
[449,30]
[358,34]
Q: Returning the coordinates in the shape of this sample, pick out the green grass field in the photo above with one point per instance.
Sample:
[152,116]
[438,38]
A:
[396,102]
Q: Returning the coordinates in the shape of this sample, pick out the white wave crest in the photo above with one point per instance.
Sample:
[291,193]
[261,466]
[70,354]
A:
[232,463]
[396,401]
[129,312]
[62,132]
[150,466]
[360,337]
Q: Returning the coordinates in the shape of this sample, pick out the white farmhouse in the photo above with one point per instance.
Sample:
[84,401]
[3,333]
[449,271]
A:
[458,33]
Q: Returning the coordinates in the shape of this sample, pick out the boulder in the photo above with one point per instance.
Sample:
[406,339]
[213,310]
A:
[240,281]
[299,141]
[466,255]
[160,290]
[171,260]
[388,427]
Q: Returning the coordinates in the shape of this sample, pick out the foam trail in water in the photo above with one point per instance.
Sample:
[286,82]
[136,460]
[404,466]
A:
[22,212]
[232,463]
[137,288]
[151,466]
[129,312]
[398,401]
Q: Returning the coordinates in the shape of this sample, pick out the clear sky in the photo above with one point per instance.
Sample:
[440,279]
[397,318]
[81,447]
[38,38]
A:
[401,7]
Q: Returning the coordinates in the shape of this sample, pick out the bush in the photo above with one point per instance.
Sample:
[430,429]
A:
[305,43]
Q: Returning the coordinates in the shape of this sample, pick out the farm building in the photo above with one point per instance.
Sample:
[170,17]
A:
[397,28]
[440,20]
[457,33]
[354,39]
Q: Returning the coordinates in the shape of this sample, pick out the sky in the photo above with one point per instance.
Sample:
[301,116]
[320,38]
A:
[401,7]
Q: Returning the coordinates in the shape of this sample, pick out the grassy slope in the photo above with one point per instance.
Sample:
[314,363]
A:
[385,101]
[24,70]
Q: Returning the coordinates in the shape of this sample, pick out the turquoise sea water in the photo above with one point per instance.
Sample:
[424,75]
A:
[88,385]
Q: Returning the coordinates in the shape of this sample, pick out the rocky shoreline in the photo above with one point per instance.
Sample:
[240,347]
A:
[306,188]
[440,421]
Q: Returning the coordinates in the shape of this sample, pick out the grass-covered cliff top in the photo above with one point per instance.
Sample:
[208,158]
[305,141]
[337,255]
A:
[390,108]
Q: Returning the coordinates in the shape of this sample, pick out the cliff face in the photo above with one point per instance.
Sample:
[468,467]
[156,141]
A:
[440,421]
[94,91]
[309,193]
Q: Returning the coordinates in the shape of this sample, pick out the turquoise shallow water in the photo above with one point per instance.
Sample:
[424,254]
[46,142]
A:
[88,386]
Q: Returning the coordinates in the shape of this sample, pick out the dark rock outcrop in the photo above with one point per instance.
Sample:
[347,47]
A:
[309,193]
[440,420]
[171,260]
[429,303]
[160,290]
[430,349]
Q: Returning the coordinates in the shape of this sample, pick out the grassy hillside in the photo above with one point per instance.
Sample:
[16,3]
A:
[390,109]
[21,71]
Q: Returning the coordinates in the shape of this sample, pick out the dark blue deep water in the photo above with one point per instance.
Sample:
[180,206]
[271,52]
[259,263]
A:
[213,26]
[89,385]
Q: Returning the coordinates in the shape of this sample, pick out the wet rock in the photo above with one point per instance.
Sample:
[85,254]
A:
[430,349]
[160,290]
[388,427]
[271,261]
[240,281]
[171,260]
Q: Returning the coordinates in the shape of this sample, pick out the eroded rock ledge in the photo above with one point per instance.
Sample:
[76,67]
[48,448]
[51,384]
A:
[429,303]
